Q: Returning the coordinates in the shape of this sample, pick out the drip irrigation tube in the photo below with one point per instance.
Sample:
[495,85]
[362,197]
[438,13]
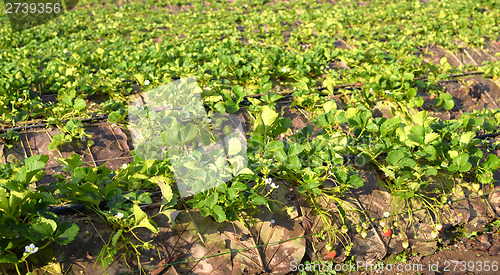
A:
[21,128]
[245,101]
[73,209]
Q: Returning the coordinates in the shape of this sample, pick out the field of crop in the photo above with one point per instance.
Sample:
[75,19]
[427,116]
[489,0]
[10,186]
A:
[251,137]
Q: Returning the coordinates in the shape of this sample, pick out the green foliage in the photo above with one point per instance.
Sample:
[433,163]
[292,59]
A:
[72,131]
[24,218]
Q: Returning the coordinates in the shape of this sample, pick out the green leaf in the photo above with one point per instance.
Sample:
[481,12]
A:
[234,146]
[421,118]
[485,177]
[40,230]
[443,61]
[408,76]
[188,133]
[295,149]
[139,215]
[219,214]
[211,200]
[430,137]
[66,233]
[395,156]
[355,181]
[464,168]
[36,162]
[116,237]
[73,161]
[467,137]
[330,106]
[268,115]
[139,78]
[115,116]
[461,159]
[492,162]
[141,219]
[257,199]
[448,104]
[165,188]
[239,93]
[8,257]
[238,186]
[79,104]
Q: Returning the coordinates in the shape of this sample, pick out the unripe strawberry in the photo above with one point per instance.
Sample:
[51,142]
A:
[476,186]
[328,247]
[434,234]
[405,244]
[363,234]
[344,229]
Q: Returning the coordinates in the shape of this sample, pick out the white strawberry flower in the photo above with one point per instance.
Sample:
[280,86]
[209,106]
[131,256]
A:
[146,82]
[31,248]
[273,221]
[274,185]
[386,214]
[124,166]
[268,180]
[119,215]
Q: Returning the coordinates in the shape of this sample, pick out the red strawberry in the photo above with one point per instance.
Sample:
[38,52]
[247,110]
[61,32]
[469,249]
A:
[388,232]
[331,254]
[359,84]
[433,97]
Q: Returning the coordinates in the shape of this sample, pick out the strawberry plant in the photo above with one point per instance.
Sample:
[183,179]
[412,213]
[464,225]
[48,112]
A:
[72,131]
[26,224]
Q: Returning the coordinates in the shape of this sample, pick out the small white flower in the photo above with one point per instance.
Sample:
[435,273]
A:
[19,99]
[31,248]
[387,92]
[268,181]
[449,202]
[146,82]
[273,221]
[119,215]
[274,185]
[124,166]
[386,214]
[386,175]
[209,120]
[371,90]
